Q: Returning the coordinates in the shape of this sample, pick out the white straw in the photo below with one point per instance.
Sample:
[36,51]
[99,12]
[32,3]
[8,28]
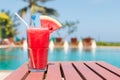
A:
[22,20]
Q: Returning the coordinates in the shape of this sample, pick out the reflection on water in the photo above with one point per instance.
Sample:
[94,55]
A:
[94,44]
[73,54]
[14,57]
[91,48]
[66,46]
[11,58]
[80,45]
[51,46]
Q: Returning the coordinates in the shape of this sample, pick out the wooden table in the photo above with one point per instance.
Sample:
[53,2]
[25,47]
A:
[69,71]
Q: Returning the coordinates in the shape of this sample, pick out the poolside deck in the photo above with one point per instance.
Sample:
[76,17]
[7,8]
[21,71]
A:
[69,71]
[4,73]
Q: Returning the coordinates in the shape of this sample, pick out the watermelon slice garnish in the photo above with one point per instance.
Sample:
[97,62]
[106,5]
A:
[50,23]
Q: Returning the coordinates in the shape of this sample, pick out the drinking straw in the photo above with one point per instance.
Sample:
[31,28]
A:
[22,20]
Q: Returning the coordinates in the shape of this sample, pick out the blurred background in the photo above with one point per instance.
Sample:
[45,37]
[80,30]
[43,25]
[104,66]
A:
[98,19]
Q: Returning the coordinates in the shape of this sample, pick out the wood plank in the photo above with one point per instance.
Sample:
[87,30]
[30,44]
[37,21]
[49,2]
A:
[86,72]
[4,74]
[109,67]
[35,76]
[19,73]
[69,72]
[53,72]
[103,72]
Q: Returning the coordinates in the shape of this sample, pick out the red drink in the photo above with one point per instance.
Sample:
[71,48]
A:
[38,41]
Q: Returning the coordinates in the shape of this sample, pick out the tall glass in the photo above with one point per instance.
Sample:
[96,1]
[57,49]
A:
[38,41]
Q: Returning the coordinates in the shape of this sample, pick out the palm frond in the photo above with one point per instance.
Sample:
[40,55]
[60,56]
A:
[43,10]
[43,1]
[51,11]
[26,0]
[70,23]
[36,8]
[23,11]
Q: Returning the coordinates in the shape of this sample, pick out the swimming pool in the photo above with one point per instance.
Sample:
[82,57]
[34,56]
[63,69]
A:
[12,58]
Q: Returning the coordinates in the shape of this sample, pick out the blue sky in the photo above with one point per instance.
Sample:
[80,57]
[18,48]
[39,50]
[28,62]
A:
[99,19]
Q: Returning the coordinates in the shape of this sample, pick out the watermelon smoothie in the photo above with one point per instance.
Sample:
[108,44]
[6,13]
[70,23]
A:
[38,41]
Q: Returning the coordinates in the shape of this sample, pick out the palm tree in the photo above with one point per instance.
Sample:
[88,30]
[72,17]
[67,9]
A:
[35,7]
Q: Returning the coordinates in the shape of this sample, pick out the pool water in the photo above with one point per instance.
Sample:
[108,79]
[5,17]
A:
[12,58]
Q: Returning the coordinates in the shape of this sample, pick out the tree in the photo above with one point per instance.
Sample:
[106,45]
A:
[7,27]
[35,7]
[71,27]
